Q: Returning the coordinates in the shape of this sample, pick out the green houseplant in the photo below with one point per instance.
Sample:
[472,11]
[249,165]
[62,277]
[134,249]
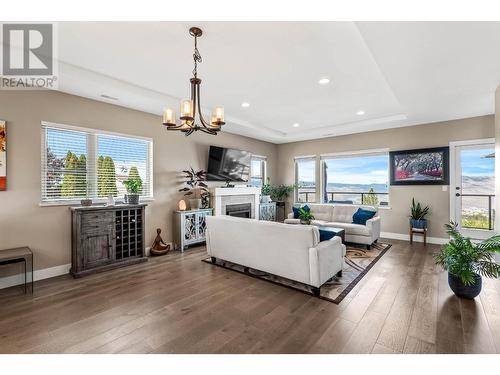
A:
[266,190]
[305,216]
[417,215]
[279,193]
[134,188]
[197,188]
[467,261]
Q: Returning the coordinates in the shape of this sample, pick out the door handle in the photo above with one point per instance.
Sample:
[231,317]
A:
[457,194]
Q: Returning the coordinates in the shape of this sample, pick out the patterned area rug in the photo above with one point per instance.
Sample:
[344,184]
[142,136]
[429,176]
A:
[358,263]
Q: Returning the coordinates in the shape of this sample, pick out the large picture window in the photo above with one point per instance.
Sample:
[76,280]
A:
[79,163]
[305,179]
[356,179]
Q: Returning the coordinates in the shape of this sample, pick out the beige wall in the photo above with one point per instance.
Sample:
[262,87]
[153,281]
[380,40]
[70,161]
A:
[47,229]
[395,220]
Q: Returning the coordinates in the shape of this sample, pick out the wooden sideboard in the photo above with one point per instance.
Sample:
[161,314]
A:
[106,237]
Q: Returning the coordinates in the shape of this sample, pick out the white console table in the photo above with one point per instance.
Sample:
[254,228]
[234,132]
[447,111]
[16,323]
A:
[190,227]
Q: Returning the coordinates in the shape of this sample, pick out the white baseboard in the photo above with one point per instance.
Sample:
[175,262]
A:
[45,273]
[416,238]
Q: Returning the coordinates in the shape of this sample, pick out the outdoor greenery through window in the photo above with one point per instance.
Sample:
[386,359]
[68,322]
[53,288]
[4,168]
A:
[79,163]
[305,178]
[257,171]
[356,179]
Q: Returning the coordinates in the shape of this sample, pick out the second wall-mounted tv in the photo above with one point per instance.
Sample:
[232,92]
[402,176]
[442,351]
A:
[226,164]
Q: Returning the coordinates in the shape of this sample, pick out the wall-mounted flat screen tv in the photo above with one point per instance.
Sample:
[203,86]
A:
[225,164]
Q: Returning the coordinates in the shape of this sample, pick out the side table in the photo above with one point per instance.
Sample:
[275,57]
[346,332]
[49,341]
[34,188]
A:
[422,231]
[19,255]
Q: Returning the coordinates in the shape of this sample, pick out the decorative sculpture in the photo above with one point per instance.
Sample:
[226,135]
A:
[159,247]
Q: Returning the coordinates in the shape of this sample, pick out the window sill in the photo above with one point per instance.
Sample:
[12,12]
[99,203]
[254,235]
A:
[77,202]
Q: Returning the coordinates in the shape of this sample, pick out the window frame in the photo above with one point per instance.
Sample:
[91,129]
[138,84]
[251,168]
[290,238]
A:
[351,155]
[92,135]
[263,168]
[297,159]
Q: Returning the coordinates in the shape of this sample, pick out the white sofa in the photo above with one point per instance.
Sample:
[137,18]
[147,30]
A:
[290,251]
[340,216]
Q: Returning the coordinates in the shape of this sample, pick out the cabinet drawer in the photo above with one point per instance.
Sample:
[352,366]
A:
[93,221]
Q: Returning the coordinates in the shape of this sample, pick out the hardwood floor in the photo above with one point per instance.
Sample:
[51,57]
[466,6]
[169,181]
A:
[178,304]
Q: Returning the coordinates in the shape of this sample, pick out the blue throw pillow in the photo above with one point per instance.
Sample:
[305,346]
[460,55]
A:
[296,211]
[325,235]
[361,216]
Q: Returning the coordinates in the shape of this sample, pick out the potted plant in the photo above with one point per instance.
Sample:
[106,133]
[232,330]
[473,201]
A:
[134,189]
[417,215]
[196,187]
[266,189]
[305,216]
[279,193]
[467,261]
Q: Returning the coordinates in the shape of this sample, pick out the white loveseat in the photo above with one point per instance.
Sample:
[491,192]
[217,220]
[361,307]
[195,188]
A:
[340,216]
[290,251]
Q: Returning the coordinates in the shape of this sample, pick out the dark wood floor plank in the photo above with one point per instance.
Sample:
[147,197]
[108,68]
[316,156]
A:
[178,304]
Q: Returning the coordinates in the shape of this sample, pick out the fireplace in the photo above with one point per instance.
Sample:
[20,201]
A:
[239,210]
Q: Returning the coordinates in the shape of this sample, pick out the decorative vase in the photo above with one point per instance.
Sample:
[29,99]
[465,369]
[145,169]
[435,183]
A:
[305,222]
[195,204]
[111,200]
[265,199]
[132,198]
[465,291]
[419,224]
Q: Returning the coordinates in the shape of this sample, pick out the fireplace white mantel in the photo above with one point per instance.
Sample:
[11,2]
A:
[220,197]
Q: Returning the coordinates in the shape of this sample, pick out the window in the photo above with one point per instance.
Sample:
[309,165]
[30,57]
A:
[258,171]
[78,163]
[356,179]
[305,179]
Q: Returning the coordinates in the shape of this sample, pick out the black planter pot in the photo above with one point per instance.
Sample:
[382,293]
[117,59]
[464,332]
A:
[464,291]
[132,198]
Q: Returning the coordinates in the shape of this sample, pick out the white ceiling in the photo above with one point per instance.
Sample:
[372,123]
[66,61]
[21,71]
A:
[398,73]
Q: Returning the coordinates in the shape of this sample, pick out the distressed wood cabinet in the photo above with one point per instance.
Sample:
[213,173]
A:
[103,238]
[190,226]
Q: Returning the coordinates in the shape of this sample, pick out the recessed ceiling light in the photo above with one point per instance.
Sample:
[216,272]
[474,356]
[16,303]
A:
[324,81]
[296,125]
[360,113]
[245,104]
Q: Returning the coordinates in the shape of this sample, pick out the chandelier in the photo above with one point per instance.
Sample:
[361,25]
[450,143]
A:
[191,108]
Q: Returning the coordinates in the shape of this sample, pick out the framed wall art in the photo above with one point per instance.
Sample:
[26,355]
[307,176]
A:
[428,166]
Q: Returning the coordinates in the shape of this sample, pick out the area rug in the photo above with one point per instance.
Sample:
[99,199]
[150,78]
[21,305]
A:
[358,263]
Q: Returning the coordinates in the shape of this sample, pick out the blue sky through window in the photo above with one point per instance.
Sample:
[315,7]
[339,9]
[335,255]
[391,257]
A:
[366,170]
[474,162]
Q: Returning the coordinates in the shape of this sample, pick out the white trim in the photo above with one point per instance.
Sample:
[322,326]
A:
[6,282]
[76,202]
[261,157]
[375,151]
[312,157]
[56,125]
[453,179]
[416,238]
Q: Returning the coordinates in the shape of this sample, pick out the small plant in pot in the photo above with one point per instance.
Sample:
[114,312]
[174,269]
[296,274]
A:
[265,194]
[134,189]
[418,213]
[466,262]
[305,216]
[196,188]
